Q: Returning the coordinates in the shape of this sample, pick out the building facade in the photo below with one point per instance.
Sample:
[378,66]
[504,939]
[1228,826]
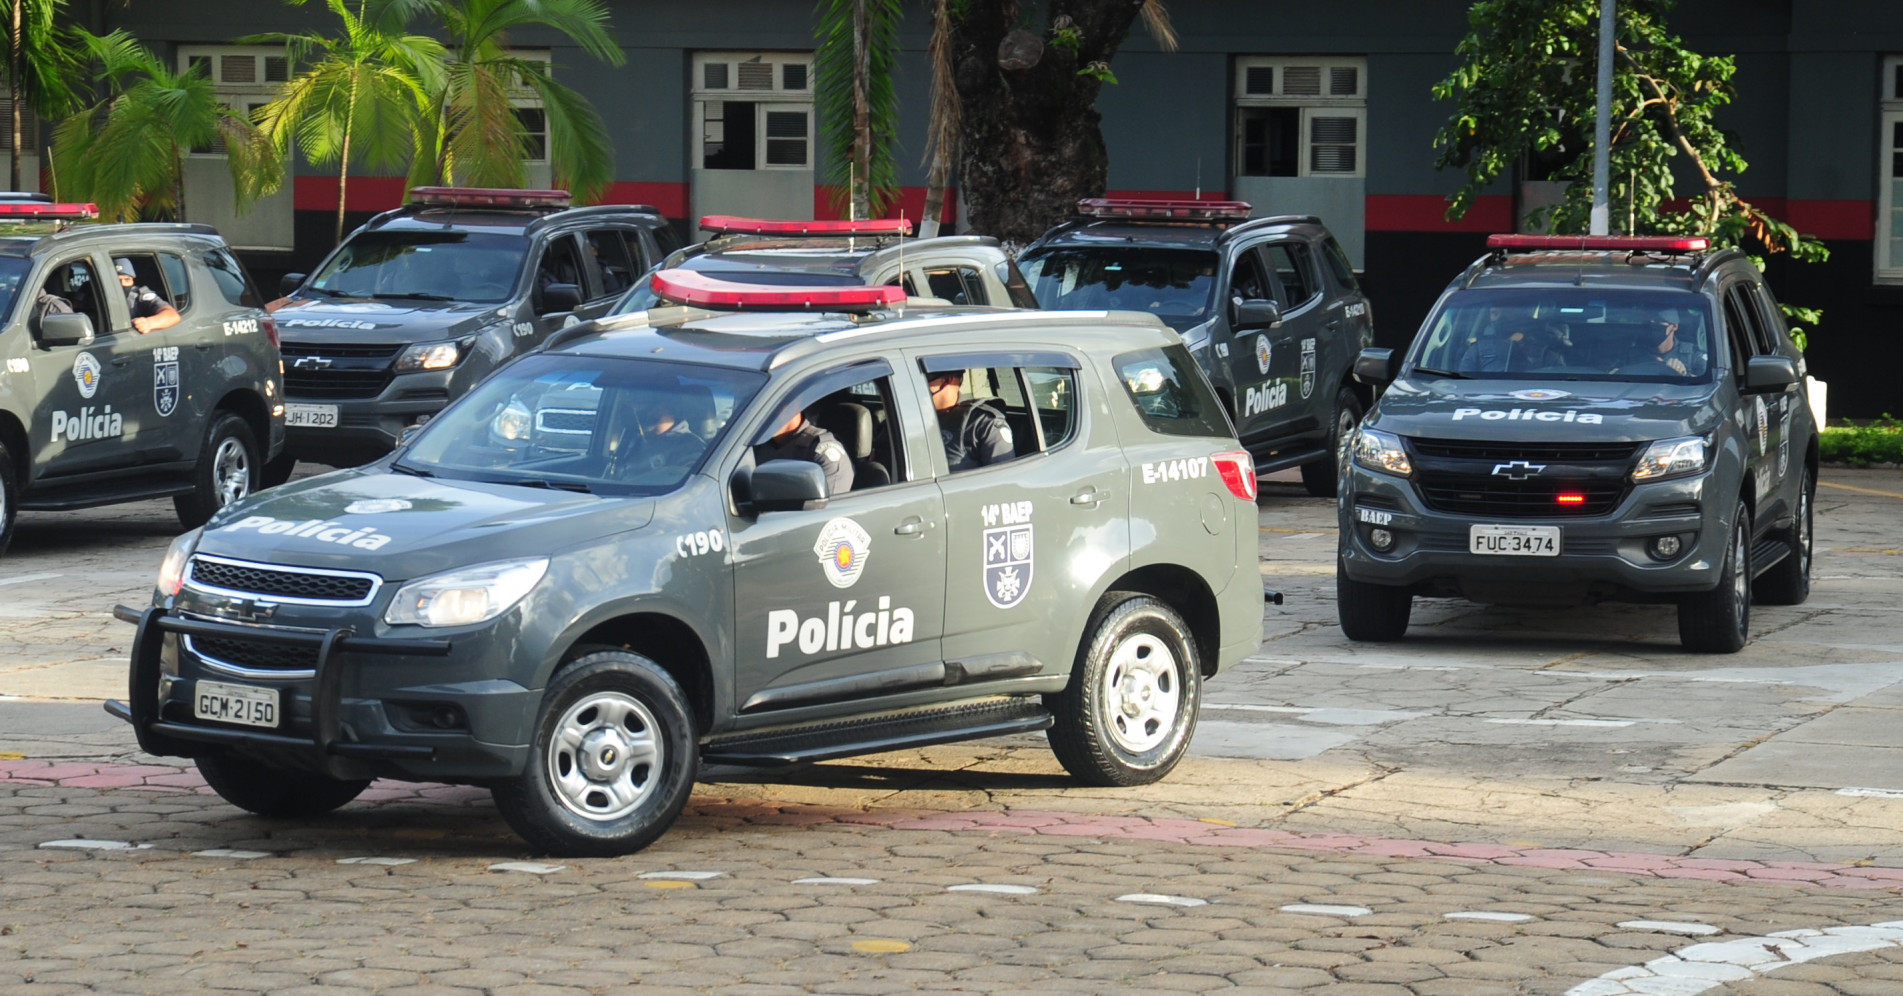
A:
[1298,108]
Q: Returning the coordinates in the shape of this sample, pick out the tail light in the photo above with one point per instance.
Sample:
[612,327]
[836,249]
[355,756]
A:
[1237,468]
[271,330]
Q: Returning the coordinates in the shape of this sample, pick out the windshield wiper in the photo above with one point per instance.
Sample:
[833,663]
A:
[416,296]
[536,482]
[403,468]
[1430,371]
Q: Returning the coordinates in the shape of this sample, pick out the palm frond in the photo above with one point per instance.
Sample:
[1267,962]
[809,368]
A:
[1156,21]
[580,155]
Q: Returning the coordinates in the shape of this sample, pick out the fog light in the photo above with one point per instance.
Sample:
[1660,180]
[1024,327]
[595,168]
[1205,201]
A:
[1665,547]
[1381,538]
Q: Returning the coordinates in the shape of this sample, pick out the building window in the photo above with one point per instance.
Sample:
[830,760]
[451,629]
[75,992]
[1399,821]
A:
[1889,234]
[753,111]
[1301,116]
[245,78]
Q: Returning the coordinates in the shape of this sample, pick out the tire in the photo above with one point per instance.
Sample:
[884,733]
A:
[1370,613]
[276,472]
[612,762]
[1127,714]
[1323,476]
[277,793]
[9,496]
[227,471]
[1787,582]
[1719,621]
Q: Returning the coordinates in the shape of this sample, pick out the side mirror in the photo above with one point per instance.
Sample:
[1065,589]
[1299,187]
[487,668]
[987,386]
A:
[1769,373]
[289,283]
[1254,314]
[1375,366]
[409,431]
[557,298]
[66,330]
[788,486]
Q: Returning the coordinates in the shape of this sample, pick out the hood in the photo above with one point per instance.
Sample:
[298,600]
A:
[401,527]
[1545,411]
[368,322]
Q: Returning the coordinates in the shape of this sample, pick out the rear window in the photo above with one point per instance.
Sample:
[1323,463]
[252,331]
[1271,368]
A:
[1169,391]
[1172,284]
[231,279]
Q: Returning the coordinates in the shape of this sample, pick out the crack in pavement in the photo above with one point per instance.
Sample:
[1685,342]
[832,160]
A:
[1319,796]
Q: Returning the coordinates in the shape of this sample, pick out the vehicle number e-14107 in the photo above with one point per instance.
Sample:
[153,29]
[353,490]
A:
[1514,541]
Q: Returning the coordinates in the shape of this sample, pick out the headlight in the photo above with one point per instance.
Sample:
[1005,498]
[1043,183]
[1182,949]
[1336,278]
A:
[466,596]
[513,422]
[1671,458]
[1382,451]
[428,356]
[172,568]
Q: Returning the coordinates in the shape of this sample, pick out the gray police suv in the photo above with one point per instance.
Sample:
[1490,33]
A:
[1269,306]
[424,301]
[580,580]
[1584,419]
[94,412]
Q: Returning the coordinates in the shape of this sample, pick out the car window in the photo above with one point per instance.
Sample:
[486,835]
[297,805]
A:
[13,270]
[1053,397]
[617,260]
[1248,281]
[1173,284]
[1170,393]
[1776,334]
[1571,333]
[1741,324]
[957,284]
[984,416]
[559,265]
[1338,263]
[178,286]
[476,268]
[854,406]
[1289,260]
[77,283]
[145,273]
[1014,284]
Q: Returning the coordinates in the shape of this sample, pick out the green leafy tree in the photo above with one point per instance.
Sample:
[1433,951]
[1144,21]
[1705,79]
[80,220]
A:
[472,134]
[1029,141]
[858,108]
[127,151]
[361,97]
[43,69]
[1525,88]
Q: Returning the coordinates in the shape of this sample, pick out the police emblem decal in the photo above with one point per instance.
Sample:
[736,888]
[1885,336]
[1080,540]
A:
[165,387]
[1262,353]
[1539,394]
[1007,564]
[373,506]
[842,549]
[86,374]
[1764,427]
[1308,367]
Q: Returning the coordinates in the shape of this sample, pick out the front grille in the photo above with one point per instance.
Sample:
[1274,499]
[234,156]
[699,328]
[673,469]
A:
[254,653]
[348,370]
[1500,498]
[334,384]
[354,350]
[579,422]
[269,582]
[1486,449]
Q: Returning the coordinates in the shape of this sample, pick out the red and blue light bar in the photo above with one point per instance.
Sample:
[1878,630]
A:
[1163,210]
[43,210]
[1633,243]
[699,289]
[727,224]
[501,197]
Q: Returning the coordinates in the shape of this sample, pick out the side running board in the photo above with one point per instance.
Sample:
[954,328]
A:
[972,720]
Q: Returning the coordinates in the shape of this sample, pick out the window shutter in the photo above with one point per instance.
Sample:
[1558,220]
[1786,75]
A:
[1302,81]
[1331,145]
[1259,81]
[713,76]
[237,69]
[786,138]
[756,76]
[1343,81]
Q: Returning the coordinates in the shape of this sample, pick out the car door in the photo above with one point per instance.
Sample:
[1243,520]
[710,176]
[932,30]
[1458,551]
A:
[615,255]
[1761,416]
[1250,355]
[1021,533]
[1277,406]
[838,605]
[96,408]
[559,263]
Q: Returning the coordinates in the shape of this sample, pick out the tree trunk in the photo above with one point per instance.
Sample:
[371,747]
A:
[861,181]
[16,57]
[1031,146]
[343,161]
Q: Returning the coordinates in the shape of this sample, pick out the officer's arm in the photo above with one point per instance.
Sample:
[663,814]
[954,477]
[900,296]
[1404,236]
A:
[994,441]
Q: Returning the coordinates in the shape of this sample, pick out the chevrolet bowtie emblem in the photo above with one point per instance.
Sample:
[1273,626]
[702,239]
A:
[250,610]
[312,362]
[1518,470]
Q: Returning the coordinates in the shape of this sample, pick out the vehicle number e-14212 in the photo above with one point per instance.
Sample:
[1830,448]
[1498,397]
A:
[1514,541]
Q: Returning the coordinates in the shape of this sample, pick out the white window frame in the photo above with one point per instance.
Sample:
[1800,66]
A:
[1312,106]
[1889,267]
[235,95]
[777,100]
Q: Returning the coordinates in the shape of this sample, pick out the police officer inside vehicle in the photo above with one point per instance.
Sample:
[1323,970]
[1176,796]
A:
[975,433]
[799,439]
[149,311]
[1659,350]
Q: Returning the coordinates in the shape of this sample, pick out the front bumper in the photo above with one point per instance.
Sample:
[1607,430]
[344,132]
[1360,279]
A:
[336,718]
[368,428]
[1601,557]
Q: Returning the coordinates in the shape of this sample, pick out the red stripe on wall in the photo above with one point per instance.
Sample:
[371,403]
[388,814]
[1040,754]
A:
[829,204]
[1427,213]
[1833,219]
[366,193]
[671,198]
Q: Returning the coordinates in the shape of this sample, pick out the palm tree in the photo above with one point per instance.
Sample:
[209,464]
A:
[362,97]
[858,109]
[42,70]
[127,151]
[473,134]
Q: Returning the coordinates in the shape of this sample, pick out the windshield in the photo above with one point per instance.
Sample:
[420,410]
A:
[1172,284]
[471,267]
[641,296]
[13,269]
[1569,334]
[584,423]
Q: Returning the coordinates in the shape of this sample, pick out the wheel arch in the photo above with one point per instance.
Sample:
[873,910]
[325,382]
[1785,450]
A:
[14,435]
[665,640]
[246,404]
[1185,591]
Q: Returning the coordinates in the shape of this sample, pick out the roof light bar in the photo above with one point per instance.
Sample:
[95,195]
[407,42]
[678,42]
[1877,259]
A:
[1163,210]
[695,288]
[1636,243]
[50,212]
[488,197]
[727,224]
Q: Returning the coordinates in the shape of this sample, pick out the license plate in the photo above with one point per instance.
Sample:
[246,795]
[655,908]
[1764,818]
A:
[311,416]
[241,704]
[1514,541]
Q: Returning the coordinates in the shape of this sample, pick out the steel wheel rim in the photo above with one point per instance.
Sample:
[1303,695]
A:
[1142,693]
[231,471]
[1344,425]
[1804,531]
[1740,576]
[604,760]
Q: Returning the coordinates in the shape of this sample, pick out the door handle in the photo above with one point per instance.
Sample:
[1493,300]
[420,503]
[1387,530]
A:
[121,361]
[911,527]
[1092,497]
[202,346]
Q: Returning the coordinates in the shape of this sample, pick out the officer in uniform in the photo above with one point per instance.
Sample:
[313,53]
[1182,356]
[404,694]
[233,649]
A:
[149,311]
[975,433]
[799,439]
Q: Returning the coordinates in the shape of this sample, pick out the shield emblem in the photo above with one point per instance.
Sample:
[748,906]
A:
[1308,367]
[1263,353]
[165,387]
[1007,564]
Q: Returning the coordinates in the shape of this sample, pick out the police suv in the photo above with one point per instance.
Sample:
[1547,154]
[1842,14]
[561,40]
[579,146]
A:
[94,412]
[1269,306]
[426,300]
[1583,419]
[579,581]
